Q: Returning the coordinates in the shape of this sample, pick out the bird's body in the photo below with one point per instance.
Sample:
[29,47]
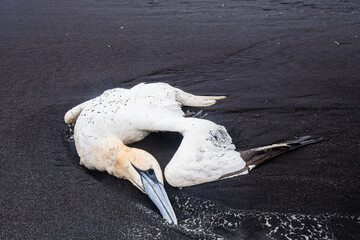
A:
[129,115]
[107,123]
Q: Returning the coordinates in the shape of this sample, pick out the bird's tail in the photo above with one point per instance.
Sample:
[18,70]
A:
[71,115]
[255,156]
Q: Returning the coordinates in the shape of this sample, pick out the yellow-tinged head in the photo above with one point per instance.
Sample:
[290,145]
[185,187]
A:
[144,172]
[130,160]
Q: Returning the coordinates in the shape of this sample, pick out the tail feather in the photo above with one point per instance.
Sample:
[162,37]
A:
[255,156]
[72,115]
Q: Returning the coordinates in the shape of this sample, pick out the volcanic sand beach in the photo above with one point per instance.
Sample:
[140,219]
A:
[289,68]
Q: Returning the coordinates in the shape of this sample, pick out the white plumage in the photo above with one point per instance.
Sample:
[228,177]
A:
[128,115]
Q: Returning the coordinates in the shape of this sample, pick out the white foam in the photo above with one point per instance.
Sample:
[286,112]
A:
[203,219]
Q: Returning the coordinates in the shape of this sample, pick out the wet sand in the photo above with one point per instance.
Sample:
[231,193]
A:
[289,68]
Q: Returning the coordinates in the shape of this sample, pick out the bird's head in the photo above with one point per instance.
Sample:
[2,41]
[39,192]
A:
[144,172]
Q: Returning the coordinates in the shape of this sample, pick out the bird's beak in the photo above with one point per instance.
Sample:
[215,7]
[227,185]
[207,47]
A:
[156,192]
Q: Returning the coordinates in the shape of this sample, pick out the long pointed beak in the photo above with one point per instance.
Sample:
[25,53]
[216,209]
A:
[156,192]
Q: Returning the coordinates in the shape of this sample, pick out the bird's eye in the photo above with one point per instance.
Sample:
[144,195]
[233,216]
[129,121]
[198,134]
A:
[151,172]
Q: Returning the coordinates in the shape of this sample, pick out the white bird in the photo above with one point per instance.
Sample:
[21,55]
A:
[106,124]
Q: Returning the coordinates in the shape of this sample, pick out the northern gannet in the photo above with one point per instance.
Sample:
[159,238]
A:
[106,124]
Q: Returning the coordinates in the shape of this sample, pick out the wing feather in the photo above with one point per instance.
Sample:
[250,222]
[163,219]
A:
[206,153]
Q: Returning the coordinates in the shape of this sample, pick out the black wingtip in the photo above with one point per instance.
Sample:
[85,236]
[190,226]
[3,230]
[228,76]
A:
[306,140]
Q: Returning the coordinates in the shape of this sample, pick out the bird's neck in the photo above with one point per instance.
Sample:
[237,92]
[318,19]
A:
[120,155]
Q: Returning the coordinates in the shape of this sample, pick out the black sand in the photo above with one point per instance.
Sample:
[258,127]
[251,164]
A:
[290,68]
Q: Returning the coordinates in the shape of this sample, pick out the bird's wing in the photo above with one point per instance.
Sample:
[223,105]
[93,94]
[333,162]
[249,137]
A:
[205,154]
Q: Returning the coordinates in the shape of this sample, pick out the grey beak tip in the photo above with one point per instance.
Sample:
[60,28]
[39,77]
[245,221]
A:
[156,192]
